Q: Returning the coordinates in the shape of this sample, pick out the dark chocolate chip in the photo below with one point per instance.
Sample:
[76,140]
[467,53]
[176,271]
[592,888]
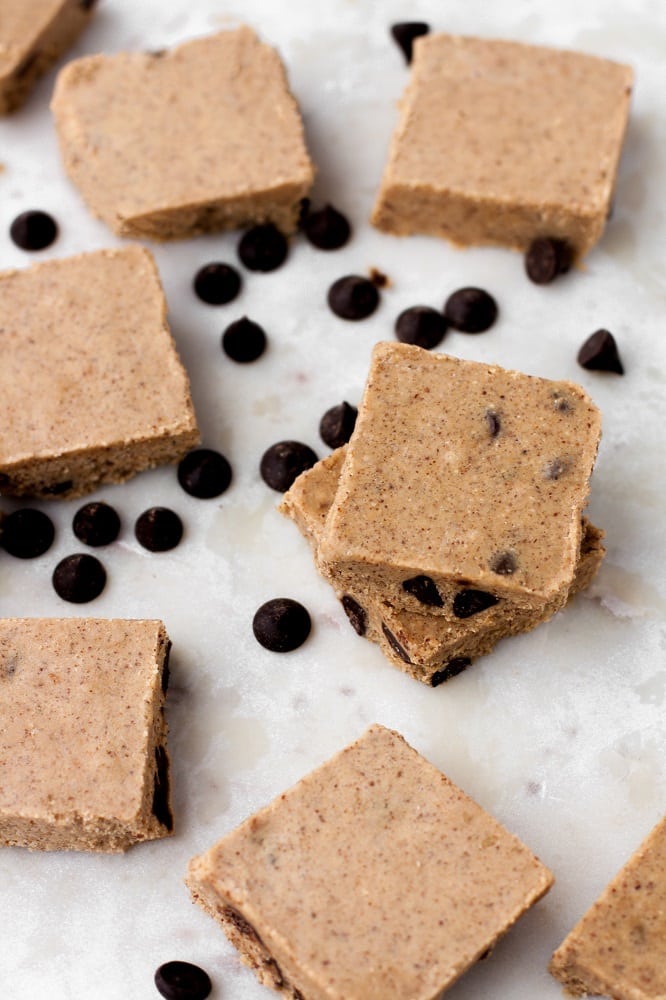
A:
[204,473]
[356,614]
[182,981]
[281,625]
[263,248]
[395,645]
[421,325]
[353,297]
[244,341]
[404,34]
[217,283]
[27,533]
[504,563]
[494,423]
[33,230]
[303,211]
[54,491]
[158,529]
[599,353]
[470,310]
[556,468]
[378,278]
[337,424]
[161,809]
[546,258]
[96,524]
[470,602]
[79,578]
[452,669]
[283,462]
[424,590]
[327,229]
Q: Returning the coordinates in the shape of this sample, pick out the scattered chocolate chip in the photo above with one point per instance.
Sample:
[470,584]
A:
[353,297]
[599,353]
[470,310]
[326,229]
[96,524]
[452,669]
[404,34]
[33,230]
[504,563]
[378,278]
[244,341]
[158,529]
[281,625]
[283,462]
[424,590]
[182,981]
[27,533]
[356,614]
[79,578]
[556,468]
[421,325]
[494,423]
[470,602]
[161,809]
[546,258]
[337,424]
[204,473]
[263,248]
[395,645]
[217,284]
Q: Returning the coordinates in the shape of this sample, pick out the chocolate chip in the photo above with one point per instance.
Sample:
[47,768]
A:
[87,4]
[404,34]
[424,590]
[546,258]
[452,668]
[96,524]
[217,284]
[556,468]
[204,473]
[470,602]
[378,278]
[421,325]
[494,423]
[79,578]
[356,614]
[504,563]
[470,310]
[281,625]
[263,248]
[599,353]
[326,229]
[161,809]
[27,533]
[182,981]
[337,424]
[562,403]
[158,529]
[353,297]
[283,462]
[244,341]
[33,230]
[395,645]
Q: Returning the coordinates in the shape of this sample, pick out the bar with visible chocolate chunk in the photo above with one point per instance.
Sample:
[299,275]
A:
[169,144]
[618,948]
[93,390]
[501,142]
[348,885]
[83,758]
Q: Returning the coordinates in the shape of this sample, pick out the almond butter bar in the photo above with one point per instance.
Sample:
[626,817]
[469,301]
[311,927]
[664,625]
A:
[200,138]
[93,389]
[500,142]
[348,886]
[83,758]
[618,949]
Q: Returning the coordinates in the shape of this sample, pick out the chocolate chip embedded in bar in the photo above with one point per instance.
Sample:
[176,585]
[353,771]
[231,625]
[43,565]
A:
[83,760]
[617,948]
[500,142]
[93,390]
[201,138]
[315,888]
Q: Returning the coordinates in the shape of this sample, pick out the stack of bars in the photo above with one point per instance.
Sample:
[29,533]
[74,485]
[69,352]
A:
[454,516]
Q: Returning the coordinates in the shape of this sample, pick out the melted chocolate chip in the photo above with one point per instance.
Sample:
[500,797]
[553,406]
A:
[471,602]
[404,34]
[263,248]
[395,645]
[281,625]
[546,258]
[204,473]
[216,284]
[353,297]
[96,524]
[161,809]
[424,590]
[599,353]
[283,462]
[244,341]
[158,529]
[356,614]
[79,578]
[27,533]
[452,669]
[33,230]
[326,229]
[182,981]
[556,468]
[504,563]
[470,310]
[421,325]
[337,424]
[494,423]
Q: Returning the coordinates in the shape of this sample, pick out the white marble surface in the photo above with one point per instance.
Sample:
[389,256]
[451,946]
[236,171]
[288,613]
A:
[559,733]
